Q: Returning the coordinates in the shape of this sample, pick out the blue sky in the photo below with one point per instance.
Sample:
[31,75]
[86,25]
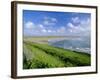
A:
[46,23]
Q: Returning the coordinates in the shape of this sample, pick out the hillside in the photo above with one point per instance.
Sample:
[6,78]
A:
[44,56]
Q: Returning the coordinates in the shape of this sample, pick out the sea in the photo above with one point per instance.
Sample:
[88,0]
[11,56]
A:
[80,44]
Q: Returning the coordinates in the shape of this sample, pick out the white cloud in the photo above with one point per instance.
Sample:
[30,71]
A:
[46,22]
[32,29]
[70,30]
[41,26]
[54,19]
[50,18]
[29,25]
[49,31]
[49,21]
[83,28]
[87,21]
[44,30]
[61,30]
[70,25]
[75,19]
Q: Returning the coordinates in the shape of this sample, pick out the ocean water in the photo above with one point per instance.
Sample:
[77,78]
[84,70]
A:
[81,44]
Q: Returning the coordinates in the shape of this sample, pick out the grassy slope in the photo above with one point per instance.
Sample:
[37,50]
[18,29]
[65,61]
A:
[46,56]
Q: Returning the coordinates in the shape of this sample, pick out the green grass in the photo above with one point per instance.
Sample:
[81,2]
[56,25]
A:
[46,56]
[43,60]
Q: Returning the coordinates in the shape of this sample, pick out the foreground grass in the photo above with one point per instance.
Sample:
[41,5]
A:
[43,60]
[46,56]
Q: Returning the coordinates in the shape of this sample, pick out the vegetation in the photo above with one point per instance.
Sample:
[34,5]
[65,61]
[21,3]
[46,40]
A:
[46,56]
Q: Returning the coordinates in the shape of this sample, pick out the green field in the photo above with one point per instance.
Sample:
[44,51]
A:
[37,55]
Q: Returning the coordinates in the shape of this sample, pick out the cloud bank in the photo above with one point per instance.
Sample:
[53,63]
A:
[75,26]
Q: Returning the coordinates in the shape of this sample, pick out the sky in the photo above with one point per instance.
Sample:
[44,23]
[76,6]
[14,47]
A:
[48,23]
